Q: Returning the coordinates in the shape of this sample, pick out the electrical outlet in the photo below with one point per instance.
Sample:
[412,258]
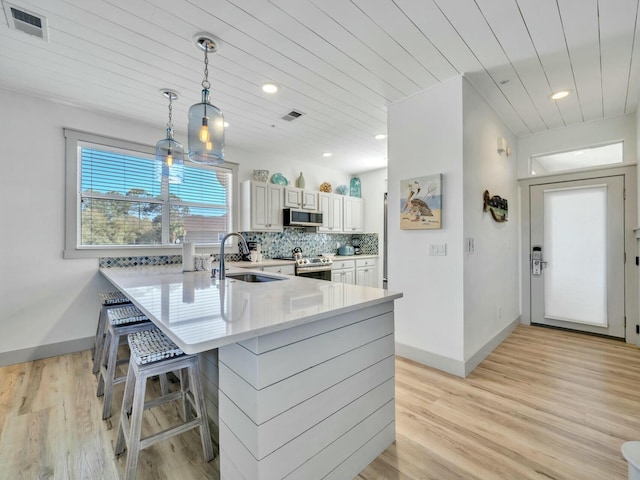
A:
[471,245]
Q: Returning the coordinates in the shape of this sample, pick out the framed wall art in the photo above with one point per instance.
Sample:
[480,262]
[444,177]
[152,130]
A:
[421,203]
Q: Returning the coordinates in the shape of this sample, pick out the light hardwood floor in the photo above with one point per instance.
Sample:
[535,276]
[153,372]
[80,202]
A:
[546,404]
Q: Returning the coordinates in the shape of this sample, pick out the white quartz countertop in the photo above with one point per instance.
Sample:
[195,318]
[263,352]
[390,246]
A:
[200,313]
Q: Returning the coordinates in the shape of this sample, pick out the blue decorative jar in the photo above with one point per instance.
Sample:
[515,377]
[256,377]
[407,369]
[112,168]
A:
[354,190]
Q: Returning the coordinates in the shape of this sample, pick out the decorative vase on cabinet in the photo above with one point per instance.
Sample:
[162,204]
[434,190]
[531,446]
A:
[354,190]
[300,181]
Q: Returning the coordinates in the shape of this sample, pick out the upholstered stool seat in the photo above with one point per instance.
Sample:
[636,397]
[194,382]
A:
[153,353]
[121,321]
[107,300]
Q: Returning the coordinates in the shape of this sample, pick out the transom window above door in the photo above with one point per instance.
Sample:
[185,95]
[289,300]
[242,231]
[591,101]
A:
[587,157]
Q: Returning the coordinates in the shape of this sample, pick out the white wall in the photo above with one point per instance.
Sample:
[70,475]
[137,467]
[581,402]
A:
[425,138]
[578,136]
[374,186]
[45,299]
[491,274]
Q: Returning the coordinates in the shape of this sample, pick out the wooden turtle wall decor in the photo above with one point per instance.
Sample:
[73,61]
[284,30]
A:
[497,205]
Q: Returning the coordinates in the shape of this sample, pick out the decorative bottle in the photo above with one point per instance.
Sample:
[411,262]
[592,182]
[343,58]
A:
[300,181]
[354,191]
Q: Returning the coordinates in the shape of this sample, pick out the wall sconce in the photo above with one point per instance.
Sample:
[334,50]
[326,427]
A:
[503,148]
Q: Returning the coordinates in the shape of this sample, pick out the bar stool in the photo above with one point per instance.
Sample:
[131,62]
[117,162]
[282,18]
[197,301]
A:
[107,300]
[121,321]
[153,353]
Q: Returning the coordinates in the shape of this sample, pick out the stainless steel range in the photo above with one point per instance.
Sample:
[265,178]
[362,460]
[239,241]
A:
[314,267]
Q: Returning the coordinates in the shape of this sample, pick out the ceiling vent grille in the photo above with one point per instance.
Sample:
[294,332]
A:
[25,21]
[292,115]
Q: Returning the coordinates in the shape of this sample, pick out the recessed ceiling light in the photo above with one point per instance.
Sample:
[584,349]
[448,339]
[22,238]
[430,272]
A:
[380,136]
[327,154]
[270,88]
[560,94]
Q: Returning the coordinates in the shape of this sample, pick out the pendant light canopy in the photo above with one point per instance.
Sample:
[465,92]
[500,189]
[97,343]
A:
[206,123]
[169,153]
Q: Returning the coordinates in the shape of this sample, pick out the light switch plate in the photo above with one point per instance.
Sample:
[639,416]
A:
[437,249]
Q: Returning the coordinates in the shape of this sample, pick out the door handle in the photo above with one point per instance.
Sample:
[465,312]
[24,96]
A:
[536,260]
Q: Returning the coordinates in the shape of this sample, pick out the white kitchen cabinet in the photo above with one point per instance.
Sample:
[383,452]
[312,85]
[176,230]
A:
[299,198]
[367,272]
[283,269]
[353,215]
[331,207]
[343,271]
[262,205]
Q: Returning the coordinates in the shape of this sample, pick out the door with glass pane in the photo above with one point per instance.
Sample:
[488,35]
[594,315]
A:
[577,257]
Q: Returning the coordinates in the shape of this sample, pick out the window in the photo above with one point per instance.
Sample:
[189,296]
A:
[118,203]
[587,157]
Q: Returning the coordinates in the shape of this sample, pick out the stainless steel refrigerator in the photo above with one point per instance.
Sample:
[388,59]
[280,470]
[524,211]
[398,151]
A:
[384,246]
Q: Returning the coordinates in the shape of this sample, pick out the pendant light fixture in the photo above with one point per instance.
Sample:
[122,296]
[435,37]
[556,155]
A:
[169,153]
[206,123]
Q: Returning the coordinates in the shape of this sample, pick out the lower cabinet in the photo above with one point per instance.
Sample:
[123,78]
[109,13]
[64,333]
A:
[283,269]
[367,272]
[343,271]
[361,271]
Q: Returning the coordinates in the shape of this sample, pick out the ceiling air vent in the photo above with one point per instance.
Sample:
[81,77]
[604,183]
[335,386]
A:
[292,115]
[21,19]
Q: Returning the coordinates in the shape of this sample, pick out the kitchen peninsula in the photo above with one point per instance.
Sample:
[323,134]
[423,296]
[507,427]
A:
[299,373]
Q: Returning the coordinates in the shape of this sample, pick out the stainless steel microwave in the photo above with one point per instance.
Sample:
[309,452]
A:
[301,218]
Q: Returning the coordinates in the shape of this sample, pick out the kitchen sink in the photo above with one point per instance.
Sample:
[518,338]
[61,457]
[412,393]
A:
[253,277]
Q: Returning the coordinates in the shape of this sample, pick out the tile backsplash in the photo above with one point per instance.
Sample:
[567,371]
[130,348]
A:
[278,244]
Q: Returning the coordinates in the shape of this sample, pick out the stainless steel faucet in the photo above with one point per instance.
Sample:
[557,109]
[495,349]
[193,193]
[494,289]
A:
[245,249]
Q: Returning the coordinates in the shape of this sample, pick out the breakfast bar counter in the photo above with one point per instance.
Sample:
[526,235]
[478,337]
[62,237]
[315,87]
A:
[299,373]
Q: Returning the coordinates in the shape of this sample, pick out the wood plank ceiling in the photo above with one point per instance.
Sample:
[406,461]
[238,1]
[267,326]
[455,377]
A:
[340,62]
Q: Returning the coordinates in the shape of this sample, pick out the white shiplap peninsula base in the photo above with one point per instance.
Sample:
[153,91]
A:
[301,383]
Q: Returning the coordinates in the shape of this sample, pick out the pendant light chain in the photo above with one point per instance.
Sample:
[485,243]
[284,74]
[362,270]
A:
[170,122]
[205,83]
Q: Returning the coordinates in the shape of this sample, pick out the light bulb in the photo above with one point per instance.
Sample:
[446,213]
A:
[169,159]
[204,130]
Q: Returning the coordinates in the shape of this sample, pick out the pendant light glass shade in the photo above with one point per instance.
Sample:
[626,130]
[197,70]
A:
[206,132]
[170,153]
[206,123]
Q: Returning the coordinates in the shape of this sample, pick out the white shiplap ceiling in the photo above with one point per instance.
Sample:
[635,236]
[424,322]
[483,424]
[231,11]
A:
[340,62]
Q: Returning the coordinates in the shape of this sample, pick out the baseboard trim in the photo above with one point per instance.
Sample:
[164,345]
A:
[489,347]
[45,351]
[450,365]
[440,362]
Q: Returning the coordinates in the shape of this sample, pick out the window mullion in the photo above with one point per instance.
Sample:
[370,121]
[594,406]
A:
[166,212]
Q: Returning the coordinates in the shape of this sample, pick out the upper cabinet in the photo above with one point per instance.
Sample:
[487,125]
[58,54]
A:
[262,205]
[353,215]
[331,207]
[299,198]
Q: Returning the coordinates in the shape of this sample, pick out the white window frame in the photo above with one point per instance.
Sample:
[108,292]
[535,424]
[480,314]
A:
[73,249]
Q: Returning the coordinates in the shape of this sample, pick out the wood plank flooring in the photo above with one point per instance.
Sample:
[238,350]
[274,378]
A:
[546,404]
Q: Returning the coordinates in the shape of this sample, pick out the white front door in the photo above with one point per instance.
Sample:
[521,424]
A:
[577,255]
